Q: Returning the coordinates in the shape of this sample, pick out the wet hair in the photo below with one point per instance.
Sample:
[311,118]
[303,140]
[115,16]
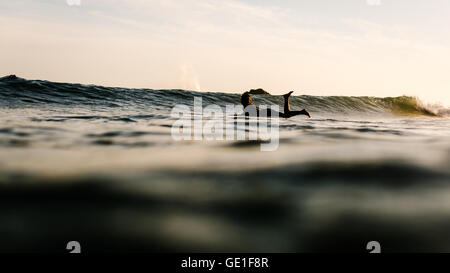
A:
[246,99]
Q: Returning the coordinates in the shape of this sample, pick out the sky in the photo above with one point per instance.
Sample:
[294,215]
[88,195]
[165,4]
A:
[321,47]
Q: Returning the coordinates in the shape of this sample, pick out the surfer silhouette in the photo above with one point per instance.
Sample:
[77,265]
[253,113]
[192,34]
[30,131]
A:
[247,100]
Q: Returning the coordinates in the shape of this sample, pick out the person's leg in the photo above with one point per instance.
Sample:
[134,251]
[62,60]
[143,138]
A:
[287,108]
[296,113]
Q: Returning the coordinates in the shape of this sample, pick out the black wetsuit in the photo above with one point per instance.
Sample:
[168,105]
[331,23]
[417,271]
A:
[271,113]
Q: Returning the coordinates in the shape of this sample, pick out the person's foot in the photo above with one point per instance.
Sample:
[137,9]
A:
[307,113]
[288,94]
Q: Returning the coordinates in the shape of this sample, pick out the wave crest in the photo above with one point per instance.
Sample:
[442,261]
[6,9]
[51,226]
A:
[19,92]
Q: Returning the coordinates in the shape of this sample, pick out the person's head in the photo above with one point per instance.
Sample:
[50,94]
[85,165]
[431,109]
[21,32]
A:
[246,99]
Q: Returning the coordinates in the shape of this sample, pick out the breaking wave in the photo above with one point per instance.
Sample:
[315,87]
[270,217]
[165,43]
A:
[19,92]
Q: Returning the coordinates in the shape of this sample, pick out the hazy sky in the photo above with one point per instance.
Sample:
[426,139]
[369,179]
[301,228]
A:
[318,47]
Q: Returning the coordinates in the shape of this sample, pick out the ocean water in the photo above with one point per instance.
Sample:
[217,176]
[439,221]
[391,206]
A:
[99,165]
